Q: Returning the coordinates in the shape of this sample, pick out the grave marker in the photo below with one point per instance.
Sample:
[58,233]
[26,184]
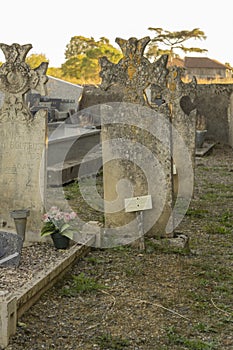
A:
[160,137]
[23,140]
[10,249]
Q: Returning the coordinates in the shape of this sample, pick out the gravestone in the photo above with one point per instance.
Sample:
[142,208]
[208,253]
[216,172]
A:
[10,249]
[181,99]
[136,150]
[23,140]
[147,148]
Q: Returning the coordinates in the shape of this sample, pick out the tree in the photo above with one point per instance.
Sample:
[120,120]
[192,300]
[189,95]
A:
[173,41]
[55,72]
[82,58]
[35,60]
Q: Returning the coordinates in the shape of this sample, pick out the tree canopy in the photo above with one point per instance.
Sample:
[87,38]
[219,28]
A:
[34,60]
[82,54]
[173,41]
[82,58]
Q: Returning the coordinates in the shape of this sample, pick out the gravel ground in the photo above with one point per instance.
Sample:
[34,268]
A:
[34,258]
[157,299]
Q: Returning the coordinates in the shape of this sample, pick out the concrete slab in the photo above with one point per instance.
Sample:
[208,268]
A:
[200,152]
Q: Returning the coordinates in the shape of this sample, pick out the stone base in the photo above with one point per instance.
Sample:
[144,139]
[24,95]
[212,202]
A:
[180,241]
[63,173]
[200,152]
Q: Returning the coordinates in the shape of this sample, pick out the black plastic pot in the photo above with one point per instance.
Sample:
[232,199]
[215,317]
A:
[60,241]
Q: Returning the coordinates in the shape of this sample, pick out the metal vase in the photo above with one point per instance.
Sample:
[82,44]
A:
[200,137]
[20,219]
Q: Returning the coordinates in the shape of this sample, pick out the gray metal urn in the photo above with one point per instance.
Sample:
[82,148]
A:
[200,137]
[20,219]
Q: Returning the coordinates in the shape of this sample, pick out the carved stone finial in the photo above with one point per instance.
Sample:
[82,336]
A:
[16,79]
[134,72]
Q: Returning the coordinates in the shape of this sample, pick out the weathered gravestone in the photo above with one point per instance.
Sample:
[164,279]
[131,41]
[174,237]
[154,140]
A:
[181,98]
[10,249]
[23,140]
[147,150]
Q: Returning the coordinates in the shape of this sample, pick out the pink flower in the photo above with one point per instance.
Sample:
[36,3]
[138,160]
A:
[45,218]
[56,214]
[73,215]
[67,217]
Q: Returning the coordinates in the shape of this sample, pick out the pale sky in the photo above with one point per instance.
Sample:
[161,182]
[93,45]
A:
[49,25]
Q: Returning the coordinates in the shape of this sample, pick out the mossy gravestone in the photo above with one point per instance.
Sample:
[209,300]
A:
[23,141]
[147,149]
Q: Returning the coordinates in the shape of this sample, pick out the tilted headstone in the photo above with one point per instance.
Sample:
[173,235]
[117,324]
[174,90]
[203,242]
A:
[10,249]
[23,140]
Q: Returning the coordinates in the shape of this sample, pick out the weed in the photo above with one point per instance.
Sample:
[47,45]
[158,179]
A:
[193,344]
[214,228]
[210,196]
[220,187]
[197,213]
[226,219]
[81,284]
[107,341]
[93,260]
[204,328]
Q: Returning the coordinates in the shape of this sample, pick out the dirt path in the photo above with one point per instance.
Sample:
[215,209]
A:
[154,300]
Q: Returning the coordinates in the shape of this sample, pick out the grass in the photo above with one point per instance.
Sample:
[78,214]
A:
[197,213]
[215,228]
[81,284]
[174,338]
[93,260]
[85,198]
[198,285]
[109,342]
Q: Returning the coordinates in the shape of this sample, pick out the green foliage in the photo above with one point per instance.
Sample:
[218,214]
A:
[35,60]
[55,72]
[82,58]
[192,344]
[107,341]
[204,328]
[196,213]
[48,229]
[93,260]
[173,41]
[215,228]
[82,284]
[56,221]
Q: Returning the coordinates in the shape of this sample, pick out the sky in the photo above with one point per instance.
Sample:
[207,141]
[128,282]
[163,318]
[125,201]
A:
[49,25]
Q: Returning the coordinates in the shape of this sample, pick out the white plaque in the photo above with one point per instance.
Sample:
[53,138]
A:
[138,203]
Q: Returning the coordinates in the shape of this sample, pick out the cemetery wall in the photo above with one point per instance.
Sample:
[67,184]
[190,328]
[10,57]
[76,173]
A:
[214,101]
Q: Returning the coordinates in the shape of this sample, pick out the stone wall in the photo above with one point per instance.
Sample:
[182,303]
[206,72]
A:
[213,101]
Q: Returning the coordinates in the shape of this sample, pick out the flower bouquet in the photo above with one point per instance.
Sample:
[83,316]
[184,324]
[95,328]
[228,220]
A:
[56,224]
